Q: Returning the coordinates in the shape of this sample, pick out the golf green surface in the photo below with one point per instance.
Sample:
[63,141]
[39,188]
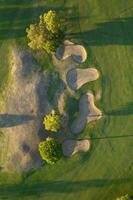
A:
[105,28]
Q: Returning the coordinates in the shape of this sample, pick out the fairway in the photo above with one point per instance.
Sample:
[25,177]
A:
[105,28]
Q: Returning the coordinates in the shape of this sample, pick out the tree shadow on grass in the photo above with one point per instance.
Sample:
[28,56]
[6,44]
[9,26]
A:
[118,31]
[47,187]
[122,111]
[9,120]
[13,3]
[14,21]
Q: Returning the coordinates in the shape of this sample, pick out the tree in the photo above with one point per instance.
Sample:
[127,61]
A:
[50,150]
[47,34]
[52,122]
[125,197]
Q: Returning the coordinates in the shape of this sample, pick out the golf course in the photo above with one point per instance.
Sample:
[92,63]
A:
[88,81]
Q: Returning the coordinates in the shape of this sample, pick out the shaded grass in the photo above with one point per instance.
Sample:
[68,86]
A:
[44,188]
[43,61]
[72,108]
[53,88]
[118,31]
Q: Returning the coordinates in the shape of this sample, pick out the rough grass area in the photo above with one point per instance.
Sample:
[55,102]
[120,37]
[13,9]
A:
[105,29]
[4,65]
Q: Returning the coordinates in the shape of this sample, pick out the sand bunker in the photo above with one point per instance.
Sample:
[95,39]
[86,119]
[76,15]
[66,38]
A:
[87,112]
[70,147]
[77,52]
[76,78]
[26,104]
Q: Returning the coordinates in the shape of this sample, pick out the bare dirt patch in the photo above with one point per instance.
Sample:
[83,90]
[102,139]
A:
[87,112]
[70,147]
[26,104]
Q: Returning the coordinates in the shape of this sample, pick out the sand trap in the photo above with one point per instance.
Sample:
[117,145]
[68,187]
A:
[77,52]
[70,147]
[78,77]
[87,112]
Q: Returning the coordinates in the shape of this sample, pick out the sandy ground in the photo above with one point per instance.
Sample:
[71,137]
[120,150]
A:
[87,112]
[26,104]
[77,52]
[76,78]
[70,147]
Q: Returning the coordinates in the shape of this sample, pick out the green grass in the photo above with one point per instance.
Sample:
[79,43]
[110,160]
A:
[105,28]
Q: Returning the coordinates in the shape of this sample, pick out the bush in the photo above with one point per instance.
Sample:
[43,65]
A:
[50,150]
[125,197]
[52,122]
[47,34]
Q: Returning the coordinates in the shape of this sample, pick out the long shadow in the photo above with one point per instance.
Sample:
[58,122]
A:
[44,105]
[122,111]
[5,3]
[9,120]
[109,137]
[118,31]
[46,101]
[13,21]
[47,187]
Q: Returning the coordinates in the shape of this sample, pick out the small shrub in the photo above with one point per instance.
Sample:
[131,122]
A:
[125,197]
[50,150]
[52,122]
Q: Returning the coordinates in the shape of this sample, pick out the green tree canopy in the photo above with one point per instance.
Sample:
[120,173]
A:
[50,150]
[52,122]
[47,34]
